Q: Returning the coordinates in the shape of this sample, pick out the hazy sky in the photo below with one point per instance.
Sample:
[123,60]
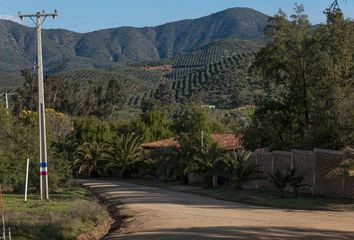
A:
[89,15]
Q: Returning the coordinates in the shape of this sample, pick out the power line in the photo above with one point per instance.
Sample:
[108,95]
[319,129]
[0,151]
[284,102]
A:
[51,24]
[45,4]
[11,9]
[15,19]
[31,5]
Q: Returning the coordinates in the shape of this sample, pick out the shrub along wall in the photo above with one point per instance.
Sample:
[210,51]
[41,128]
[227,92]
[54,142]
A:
[313,165]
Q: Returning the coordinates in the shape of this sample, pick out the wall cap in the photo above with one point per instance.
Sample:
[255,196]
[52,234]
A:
[302,151]
[318,150]
[282,152]
[264,153]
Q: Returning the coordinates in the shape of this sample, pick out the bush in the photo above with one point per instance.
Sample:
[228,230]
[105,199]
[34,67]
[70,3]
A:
[282,181]
[92,211]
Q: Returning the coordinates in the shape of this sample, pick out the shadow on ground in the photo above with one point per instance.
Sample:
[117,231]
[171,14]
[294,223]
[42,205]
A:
[242,233]
[115,192]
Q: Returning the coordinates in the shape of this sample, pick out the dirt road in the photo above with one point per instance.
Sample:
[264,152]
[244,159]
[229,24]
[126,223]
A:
[154,213]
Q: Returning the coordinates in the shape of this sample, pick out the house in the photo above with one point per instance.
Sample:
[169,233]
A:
[226,141]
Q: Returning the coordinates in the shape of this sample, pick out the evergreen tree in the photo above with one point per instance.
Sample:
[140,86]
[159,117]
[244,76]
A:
[307,74]
[165,94]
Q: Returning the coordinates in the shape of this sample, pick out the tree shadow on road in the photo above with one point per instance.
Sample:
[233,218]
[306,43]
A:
[116,192]
[241,233]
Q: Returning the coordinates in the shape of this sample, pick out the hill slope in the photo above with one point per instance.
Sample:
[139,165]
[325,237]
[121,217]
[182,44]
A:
[65,50]
[226,84]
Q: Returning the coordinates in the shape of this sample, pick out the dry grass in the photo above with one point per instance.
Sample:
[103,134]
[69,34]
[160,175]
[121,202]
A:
[65,216]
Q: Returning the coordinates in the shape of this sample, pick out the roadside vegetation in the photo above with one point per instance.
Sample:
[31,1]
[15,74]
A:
[65,216]
[304,99]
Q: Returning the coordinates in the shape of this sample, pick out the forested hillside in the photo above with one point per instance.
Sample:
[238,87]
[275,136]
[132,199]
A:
[183,64]
[65,50]
[215,74]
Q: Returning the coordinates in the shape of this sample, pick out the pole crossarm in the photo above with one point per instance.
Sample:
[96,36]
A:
[38,14]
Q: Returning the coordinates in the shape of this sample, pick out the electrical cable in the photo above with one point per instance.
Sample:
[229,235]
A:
[6,6]
[44,4]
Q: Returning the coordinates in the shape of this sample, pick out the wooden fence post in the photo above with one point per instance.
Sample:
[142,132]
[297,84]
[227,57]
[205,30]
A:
[314,165]
[273,163]
[256,165]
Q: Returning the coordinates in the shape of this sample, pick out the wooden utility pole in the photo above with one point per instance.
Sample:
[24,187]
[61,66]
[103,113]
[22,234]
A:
[37,20]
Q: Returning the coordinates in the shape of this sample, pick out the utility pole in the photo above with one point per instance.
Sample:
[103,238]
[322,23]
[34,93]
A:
[37,20]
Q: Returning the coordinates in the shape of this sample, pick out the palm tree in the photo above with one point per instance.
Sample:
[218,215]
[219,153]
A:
[283,180]
[240,173]
[124,152]
[345,169]
[88,158]
[206,161]
[177,162]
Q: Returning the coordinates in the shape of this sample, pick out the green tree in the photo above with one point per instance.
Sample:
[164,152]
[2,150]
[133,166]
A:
[345,170]
[334,111]
[90,129]
[18,138]
[26,96]
[115,97]
[288,62]
[124,153]
[239,170]
[165,94]
[89,159]
[149,104]
[193,129]
[153,125]
[284,180]
[307,74]
[206,161]
[177,162]
[190,125]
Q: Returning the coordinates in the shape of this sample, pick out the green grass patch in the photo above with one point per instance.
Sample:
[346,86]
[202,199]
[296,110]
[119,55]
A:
[65,216]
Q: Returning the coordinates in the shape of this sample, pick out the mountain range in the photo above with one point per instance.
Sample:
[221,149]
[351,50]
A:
[65,50]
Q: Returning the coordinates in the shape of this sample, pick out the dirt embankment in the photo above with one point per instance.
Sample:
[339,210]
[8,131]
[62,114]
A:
[103,228]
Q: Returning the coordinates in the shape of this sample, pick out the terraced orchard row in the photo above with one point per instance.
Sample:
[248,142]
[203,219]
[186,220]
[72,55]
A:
[226,83]
[196,58]
[184,64]
[191,73]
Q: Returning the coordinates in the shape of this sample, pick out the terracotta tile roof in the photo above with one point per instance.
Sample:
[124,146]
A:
[227,141]
[165,143]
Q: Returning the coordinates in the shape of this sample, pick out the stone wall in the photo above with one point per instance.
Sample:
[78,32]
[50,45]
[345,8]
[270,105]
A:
[314,166]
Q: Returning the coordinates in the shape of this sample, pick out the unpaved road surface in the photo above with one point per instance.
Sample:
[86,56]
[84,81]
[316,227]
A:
[155,213]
